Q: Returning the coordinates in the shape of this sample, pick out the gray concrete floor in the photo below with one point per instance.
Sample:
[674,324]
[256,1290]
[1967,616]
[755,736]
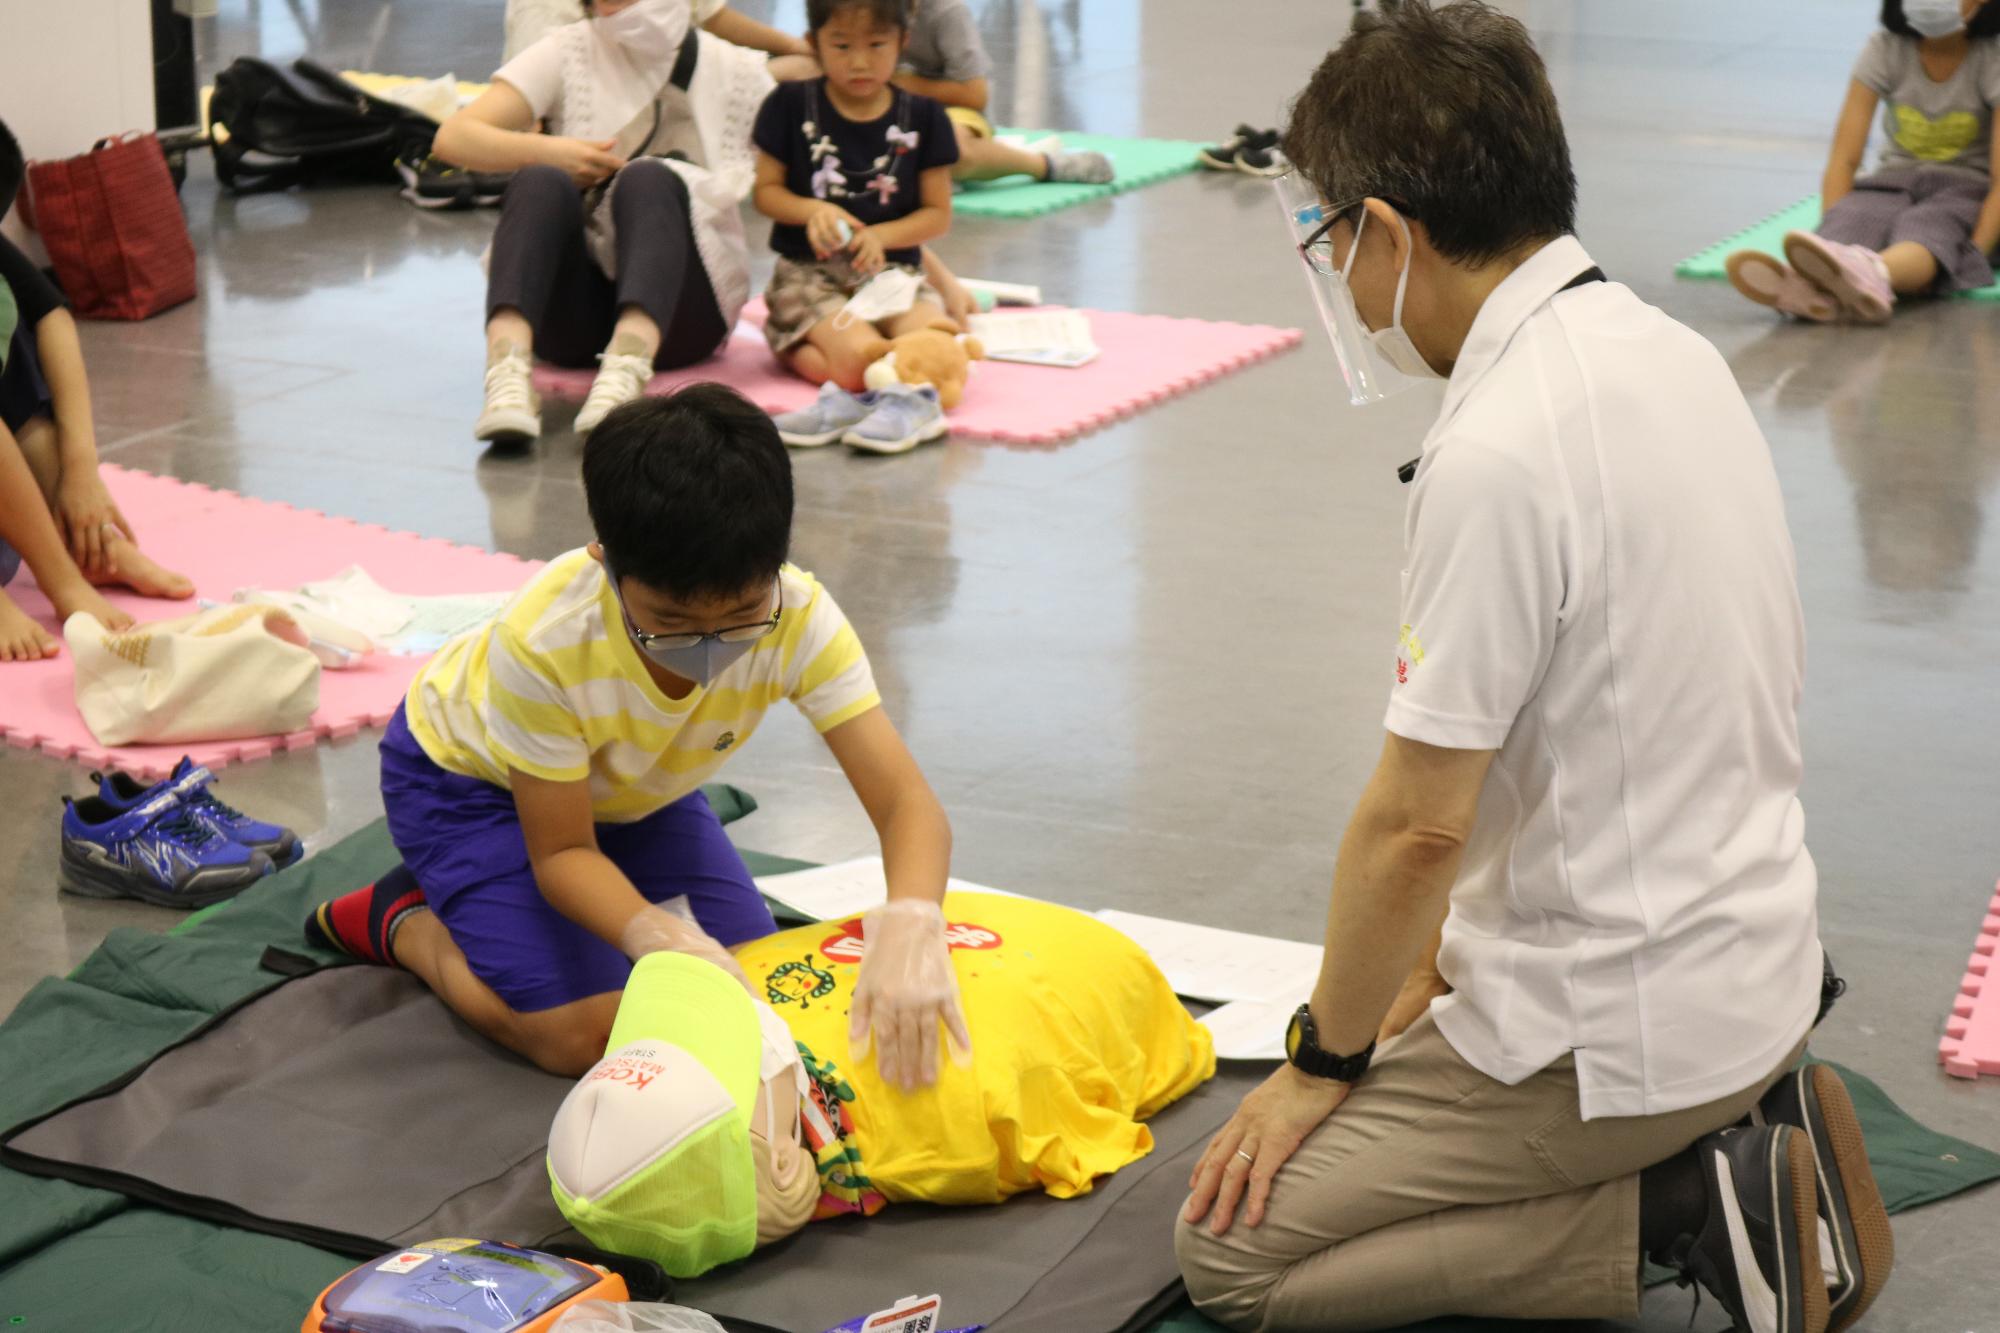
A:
[1146,669]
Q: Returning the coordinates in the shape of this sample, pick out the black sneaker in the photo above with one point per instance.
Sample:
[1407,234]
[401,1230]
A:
[431,182]
[1857,1248]
[1260,156]
[489,186]
[1758,1250]
[1222,156]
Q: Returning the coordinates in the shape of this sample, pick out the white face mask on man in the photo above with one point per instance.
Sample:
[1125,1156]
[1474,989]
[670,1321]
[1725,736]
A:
[1376,363]
[1393,342]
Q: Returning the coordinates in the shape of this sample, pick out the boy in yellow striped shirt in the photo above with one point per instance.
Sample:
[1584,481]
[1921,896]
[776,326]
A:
[542,777]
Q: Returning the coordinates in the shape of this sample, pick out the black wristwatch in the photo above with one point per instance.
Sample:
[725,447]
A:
[1302,1048]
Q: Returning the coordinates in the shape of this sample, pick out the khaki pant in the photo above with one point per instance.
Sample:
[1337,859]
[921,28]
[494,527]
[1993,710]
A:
[1435,1190]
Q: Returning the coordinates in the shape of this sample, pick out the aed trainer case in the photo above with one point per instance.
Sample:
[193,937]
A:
[460,1286]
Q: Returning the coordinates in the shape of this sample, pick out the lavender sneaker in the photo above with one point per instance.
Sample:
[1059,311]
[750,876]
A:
[826,419]
[904,417]
[1769,281]
[1853,275]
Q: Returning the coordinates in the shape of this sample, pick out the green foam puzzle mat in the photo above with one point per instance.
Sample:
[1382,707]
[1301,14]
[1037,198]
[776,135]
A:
[1769,236]
[1137,161]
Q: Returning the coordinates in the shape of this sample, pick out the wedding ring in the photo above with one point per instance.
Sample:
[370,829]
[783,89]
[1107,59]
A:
[1246,1157]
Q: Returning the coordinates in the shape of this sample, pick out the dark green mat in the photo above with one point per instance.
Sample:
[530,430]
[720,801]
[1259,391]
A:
[81,1260]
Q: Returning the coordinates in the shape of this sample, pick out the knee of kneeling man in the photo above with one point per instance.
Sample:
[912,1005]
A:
[1226,1282]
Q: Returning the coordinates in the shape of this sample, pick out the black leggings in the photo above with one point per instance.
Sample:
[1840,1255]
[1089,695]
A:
[541,267]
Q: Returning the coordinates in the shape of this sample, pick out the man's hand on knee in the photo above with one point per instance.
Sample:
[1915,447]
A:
[1244,1157]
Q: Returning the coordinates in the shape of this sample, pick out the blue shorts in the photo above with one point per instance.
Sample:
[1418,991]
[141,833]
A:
[461,838]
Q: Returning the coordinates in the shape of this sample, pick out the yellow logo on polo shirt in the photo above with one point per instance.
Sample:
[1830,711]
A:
[1939,140]
[1409,653]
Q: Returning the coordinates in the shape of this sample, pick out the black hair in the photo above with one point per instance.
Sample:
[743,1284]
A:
[691,494]
[13,167]
[1985,23]
[1447,112]
[882,13]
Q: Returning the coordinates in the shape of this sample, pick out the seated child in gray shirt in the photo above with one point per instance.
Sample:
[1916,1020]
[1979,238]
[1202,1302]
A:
[1926,219]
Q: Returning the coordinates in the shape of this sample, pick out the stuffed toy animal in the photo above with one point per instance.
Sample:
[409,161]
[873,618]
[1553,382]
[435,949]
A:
[928,356]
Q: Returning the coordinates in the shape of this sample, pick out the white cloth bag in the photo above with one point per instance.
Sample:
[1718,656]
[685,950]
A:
[222,674]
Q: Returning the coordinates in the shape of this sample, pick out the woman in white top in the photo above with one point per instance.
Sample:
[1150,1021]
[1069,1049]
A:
[619,241]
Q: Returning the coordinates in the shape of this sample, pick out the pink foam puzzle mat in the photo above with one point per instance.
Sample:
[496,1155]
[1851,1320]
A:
[225,541]
[1144,359]
[1971,1044]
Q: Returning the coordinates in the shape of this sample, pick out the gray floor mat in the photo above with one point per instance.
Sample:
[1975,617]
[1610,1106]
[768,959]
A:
[349,1109]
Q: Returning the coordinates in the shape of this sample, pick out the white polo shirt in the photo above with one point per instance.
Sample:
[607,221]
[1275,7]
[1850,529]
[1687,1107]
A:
[1601,587]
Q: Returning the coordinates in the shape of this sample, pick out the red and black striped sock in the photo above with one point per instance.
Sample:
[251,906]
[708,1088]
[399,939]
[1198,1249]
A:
[363,923]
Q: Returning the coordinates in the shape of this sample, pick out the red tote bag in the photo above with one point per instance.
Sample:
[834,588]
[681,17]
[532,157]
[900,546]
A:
[114,230]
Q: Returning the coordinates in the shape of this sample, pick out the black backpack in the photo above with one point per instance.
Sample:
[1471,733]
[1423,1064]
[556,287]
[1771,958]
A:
[306,124]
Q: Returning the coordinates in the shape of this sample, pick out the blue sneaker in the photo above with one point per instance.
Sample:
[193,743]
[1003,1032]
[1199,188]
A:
[161,852]
[189,784]
[904,417]
[829,417]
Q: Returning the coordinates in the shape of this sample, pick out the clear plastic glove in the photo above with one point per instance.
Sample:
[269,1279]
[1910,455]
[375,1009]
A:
[907,985]
[633,1317]
[654,930]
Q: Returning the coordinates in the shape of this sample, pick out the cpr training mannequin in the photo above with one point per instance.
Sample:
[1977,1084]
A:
[928,356]
[717,1123]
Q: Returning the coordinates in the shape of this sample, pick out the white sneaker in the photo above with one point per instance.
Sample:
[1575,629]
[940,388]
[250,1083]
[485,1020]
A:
[513,413]
[620,379]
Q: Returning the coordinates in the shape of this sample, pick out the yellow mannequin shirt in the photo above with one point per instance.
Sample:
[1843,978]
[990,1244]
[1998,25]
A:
[1076,1036]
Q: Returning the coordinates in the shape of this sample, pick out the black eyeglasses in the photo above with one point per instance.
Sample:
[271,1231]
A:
[1317,248]
[731,634]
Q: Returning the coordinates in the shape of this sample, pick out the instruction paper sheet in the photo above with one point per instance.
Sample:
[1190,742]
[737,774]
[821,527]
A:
[845,889]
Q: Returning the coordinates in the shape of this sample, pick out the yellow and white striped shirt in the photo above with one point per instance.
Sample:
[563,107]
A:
[555,687]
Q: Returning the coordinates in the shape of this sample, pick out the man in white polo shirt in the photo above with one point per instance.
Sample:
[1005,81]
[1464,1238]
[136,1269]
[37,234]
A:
[1590,777]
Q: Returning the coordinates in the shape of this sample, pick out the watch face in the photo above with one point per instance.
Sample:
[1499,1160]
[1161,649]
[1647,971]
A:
[1292,1035]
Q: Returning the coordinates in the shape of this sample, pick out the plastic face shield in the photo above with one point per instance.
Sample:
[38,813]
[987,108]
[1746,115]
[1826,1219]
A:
[1369,378]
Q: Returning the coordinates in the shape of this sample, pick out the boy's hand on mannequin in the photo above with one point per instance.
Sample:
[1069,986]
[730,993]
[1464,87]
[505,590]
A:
[656,930]
[866,253]
[1246,1153]
[90,519]
[907,985]
[585,161]
[823,229]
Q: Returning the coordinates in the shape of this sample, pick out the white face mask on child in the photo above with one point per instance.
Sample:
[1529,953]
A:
[1934,18]
[890,292]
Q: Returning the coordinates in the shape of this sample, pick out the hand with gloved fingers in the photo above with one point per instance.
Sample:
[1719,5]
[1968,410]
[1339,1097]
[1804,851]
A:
[907,994]
[655,929]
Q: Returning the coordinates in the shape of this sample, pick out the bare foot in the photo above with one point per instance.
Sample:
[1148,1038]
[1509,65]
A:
[21,639]
[70,598]
[134,569]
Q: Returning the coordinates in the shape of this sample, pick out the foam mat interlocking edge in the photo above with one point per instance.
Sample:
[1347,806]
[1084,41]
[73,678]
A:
[155,762]
[1971,1044]
[775,390]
